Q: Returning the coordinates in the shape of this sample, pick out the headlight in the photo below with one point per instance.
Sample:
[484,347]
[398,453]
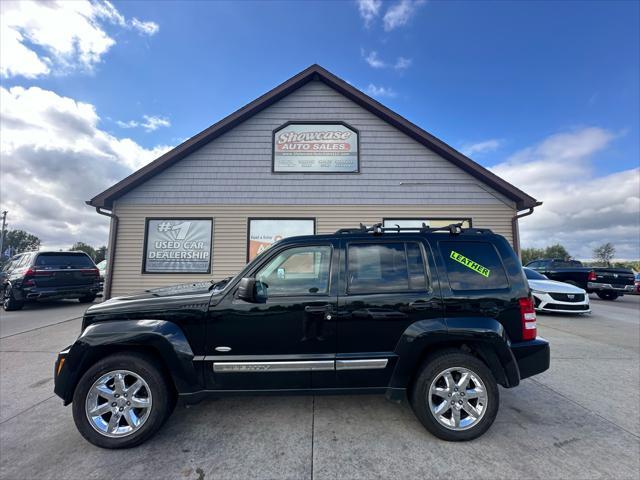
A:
[538,292]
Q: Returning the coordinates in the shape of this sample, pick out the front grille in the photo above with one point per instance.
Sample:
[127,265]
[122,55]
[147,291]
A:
[566,297]
[553,306]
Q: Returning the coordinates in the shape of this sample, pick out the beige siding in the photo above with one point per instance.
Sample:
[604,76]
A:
[230,231]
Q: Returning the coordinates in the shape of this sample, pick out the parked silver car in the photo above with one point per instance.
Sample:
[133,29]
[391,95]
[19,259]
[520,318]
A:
[552,296]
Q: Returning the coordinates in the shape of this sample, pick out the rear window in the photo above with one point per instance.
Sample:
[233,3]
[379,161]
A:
[64,260]
[473,266]
[566,264]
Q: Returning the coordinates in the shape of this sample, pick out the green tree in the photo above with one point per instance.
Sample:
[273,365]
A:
[83,247]
[604,253]
[531,254]
[101,254]
[557,251]
[552,251]
[20,241]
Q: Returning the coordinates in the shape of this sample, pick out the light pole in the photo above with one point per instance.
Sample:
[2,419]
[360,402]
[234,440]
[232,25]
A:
[4,224]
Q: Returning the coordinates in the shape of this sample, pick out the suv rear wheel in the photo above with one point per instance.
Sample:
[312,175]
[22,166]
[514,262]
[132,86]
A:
[607,295]
[87,298]
[121,401]
[455,396]
[9,303]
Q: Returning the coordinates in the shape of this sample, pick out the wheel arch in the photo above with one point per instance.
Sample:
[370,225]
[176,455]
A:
[163,341]
[485,338]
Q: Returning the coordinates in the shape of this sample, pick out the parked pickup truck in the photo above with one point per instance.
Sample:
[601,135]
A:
[607,283]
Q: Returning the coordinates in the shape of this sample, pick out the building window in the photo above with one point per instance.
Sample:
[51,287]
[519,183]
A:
[177,245]
[428,221]
[264,232]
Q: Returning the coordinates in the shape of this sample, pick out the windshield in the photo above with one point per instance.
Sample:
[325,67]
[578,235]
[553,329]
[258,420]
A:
[533,275]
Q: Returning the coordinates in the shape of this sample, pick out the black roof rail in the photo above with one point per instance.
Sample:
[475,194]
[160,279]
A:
[378,229]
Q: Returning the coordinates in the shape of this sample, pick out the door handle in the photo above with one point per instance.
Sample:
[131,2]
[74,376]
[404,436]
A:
[315,309]
[423,305]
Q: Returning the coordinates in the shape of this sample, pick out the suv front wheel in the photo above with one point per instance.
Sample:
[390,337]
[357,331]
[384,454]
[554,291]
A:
[121,401]
[455,396]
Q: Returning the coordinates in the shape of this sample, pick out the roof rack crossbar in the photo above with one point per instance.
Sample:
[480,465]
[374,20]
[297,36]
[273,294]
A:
[377,229]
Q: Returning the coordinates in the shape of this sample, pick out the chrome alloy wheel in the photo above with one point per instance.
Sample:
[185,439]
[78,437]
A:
[457,398]
[118,403]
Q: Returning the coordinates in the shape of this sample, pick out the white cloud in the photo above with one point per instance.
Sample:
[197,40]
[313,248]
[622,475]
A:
[374,61]
[147,28]
[581,210]
[54,158]
[150,123]
[400,13]
[481,147]
[369,10]
[379,91]
[39,38]
[402,63]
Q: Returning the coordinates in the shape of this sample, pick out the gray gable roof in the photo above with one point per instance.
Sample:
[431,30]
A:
[314,72]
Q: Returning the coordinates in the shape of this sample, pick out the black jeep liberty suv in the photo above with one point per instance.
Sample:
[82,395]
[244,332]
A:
[440,316]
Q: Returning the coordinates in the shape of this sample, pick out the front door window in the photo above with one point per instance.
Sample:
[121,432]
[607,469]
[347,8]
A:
[298,271]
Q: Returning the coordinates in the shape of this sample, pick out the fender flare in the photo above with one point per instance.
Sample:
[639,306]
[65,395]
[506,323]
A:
[164,338]
[486,336]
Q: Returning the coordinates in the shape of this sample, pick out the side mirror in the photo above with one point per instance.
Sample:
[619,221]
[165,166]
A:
[247,290]
[252,291]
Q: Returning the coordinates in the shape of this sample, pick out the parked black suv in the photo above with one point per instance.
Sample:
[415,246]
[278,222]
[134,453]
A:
[34,276]
[442,317]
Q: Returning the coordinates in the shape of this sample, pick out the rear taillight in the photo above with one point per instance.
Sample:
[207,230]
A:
[528,318]
[94,272]
[592,276]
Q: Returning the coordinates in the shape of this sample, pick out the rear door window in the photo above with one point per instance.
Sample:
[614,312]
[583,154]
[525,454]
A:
[473,266]
[55,260]
[385,267]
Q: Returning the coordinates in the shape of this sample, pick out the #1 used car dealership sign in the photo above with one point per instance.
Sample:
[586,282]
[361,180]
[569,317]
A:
[315,148]
[178,245]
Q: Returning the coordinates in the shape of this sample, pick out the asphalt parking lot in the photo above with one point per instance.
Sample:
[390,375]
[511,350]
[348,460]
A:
[581,419]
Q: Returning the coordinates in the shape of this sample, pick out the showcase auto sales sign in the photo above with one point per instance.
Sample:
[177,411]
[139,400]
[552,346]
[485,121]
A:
[315,148]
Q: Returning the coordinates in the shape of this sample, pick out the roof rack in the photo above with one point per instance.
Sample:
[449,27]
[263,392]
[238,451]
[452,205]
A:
[378,229]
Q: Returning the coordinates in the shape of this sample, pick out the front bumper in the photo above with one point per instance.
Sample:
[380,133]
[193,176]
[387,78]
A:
[608,287]
[64,375]
[533,357]
[546,303]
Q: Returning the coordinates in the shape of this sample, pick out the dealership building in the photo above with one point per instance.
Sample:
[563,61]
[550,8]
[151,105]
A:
[310,156]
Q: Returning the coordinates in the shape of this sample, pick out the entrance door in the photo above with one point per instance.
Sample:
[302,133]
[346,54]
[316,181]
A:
[387,288]
[285,337]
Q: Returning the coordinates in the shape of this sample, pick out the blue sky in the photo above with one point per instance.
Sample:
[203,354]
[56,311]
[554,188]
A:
[506,82]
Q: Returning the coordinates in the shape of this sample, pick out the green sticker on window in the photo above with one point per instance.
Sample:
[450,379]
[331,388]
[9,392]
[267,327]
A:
[476,267]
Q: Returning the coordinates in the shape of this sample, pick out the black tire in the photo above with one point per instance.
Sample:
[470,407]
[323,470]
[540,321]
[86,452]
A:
[87,298]
[607,295]
[430,370]
[161,393]
[9,302]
